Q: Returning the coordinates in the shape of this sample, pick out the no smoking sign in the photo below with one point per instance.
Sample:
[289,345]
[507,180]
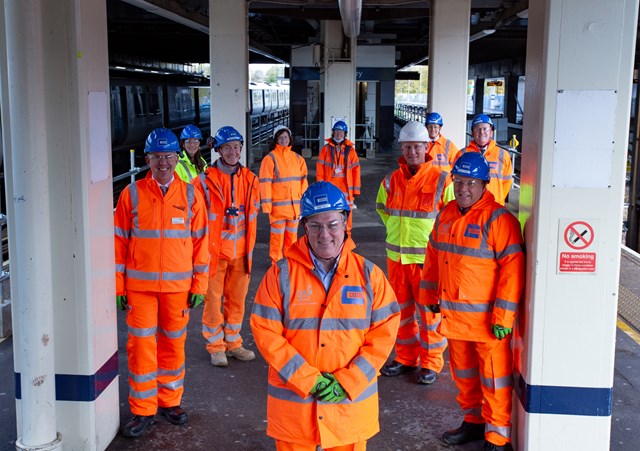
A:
[577,248]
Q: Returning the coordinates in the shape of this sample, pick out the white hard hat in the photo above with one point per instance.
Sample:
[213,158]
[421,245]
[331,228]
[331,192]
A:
[414,131]
[280,127]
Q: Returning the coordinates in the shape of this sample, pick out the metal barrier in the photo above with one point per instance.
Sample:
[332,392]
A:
[4,275]
[366,141]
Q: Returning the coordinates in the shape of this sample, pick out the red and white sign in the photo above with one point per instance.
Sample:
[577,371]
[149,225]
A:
[577,248]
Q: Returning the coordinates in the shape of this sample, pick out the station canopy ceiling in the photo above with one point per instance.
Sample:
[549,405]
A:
[176,31]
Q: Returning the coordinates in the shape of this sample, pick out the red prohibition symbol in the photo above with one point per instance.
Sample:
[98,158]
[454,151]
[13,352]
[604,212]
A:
[578,235]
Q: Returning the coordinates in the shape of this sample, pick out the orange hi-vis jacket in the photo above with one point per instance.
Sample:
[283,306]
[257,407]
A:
[408,205]
[230,236]
[500,168]
[302,330]
[283,179]
[474,269]
[161,242]
[443,153]
[340,165]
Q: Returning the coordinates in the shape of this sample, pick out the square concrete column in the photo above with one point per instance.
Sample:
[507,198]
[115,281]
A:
[229,56]
[579,72]
[449,65]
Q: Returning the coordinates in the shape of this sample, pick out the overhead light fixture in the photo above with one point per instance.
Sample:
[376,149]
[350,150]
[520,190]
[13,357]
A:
[350,11]
[155,9]
[481,34]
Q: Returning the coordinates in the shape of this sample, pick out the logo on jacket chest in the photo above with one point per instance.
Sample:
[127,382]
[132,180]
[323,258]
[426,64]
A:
[352,295]
[304,296]
[472,231]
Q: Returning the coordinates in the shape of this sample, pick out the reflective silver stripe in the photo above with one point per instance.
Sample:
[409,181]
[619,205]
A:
[440,188]
[276,172]
[509,250]
[406,321]
[265,180]
[353,188]
[142,332]
[201,268]
[165,372]
[406,249]
[133,193]
[387,182]
[441,344]
[199,233]
[408,341]
[353,165]
[212,216]
[345,324]
[139,378]
[265,201]
[385,312]
[380,206]
[288,395]
[234,236]
[142,394]
[119,231]
[281,203]
[325,163]
[172,385]
[234,326]
[462,250]
[120,268]
[142,275]
[291,229]
[216,337]
[270,313]
[183,234]
[137,233]
[412,213]
[277,231]
[285,288]
[294,178]
[469,373]
[407,304]
[367,369]
[173,333]
[177,275]
[498,383]
[501,430]
[291,367]
[506,305]
[232,338]
[205,188]
[303,324]
[475,411]
[468,308]
[186,168]
[191,198]
[427,285]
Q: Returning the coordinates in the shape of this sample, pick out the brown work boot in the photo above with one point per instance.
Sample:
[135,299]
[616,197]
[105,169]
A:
[219,359]
[244,355]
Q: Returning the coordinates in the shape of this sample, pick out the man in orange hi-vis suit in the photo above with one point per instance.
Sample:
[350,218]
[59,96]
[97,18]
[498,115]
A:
[283,179]
[231,194]
[474,274]
[339,164]
[325,320]
[162,258]
[500,166]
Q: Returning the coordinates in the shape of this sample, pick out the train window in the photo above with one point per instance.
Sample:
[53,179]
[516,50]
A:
[520,101]
[138,102]
[493,100]
[181,105]
[154,104]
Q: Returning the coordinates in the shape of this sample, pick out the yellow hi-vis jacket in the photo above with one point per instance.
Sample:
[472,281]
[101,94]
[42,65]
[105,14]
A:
[303,330]
[408,205]
[185,169]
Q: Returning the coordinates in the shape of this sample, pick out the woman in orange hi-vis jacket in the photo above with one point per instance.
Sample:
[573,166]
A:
[474,275]
[161,271]
[339,164]
[325,319]
[231,193]
[283,179]
[500,166]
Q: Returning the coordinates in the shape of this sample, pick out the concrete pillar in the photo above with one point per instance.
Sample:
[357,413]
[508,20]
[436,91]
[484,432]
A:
[449,65]
[229,56]
[579,71]
[61,223]
[338,79]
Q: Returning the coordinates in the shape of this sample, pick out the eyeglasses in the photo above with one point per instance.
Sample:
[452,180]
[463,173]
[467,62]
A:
[316,229]
[167,157]
[192,141]
[467,183]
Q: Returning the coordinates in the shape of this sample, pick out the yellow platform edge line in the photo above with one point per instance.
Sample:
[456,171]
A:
[635,336]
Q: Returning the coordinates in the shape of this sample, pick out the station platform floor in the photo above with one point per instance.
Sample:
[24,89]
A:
[227,406]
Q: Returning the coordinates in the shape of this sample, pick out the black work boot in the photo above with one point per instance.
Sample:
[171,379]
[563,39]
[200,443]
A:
[395,368]
[136,425]
[426,376]
[175,415]
[467,432]
[488,446]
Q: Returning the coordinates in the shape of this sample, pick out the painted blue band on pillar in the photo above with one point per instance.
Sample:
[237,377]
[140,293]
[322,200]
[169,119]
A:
[585,401]
[77,387]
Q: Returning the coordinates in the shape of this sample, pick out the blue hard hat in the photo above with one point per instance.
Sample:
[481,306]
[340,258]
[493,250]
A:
[434,118]
[162,140]
[472,164]
[226,134]
[341,125]
[481,119]
[191,131]
[321,197]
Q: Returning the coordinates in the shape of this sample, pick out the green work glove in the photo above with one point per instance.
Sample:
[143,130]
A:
[500,332]
[195,300]
[321,383]
[121,302]
[333,392]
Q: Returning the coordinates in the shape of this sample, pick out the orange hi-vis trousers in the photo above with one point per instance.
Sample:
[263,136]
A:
[288,446]
[157,324]
[284,232]
[483,373]
[415,344]
[224,305]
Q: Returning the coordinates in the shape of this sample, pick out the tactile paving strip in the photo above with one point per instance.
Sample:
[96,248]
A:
[629,307]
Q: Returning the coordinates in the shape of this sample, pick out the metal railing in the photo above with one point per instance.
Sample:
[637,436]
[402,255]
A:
[4,275]
[365,137]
